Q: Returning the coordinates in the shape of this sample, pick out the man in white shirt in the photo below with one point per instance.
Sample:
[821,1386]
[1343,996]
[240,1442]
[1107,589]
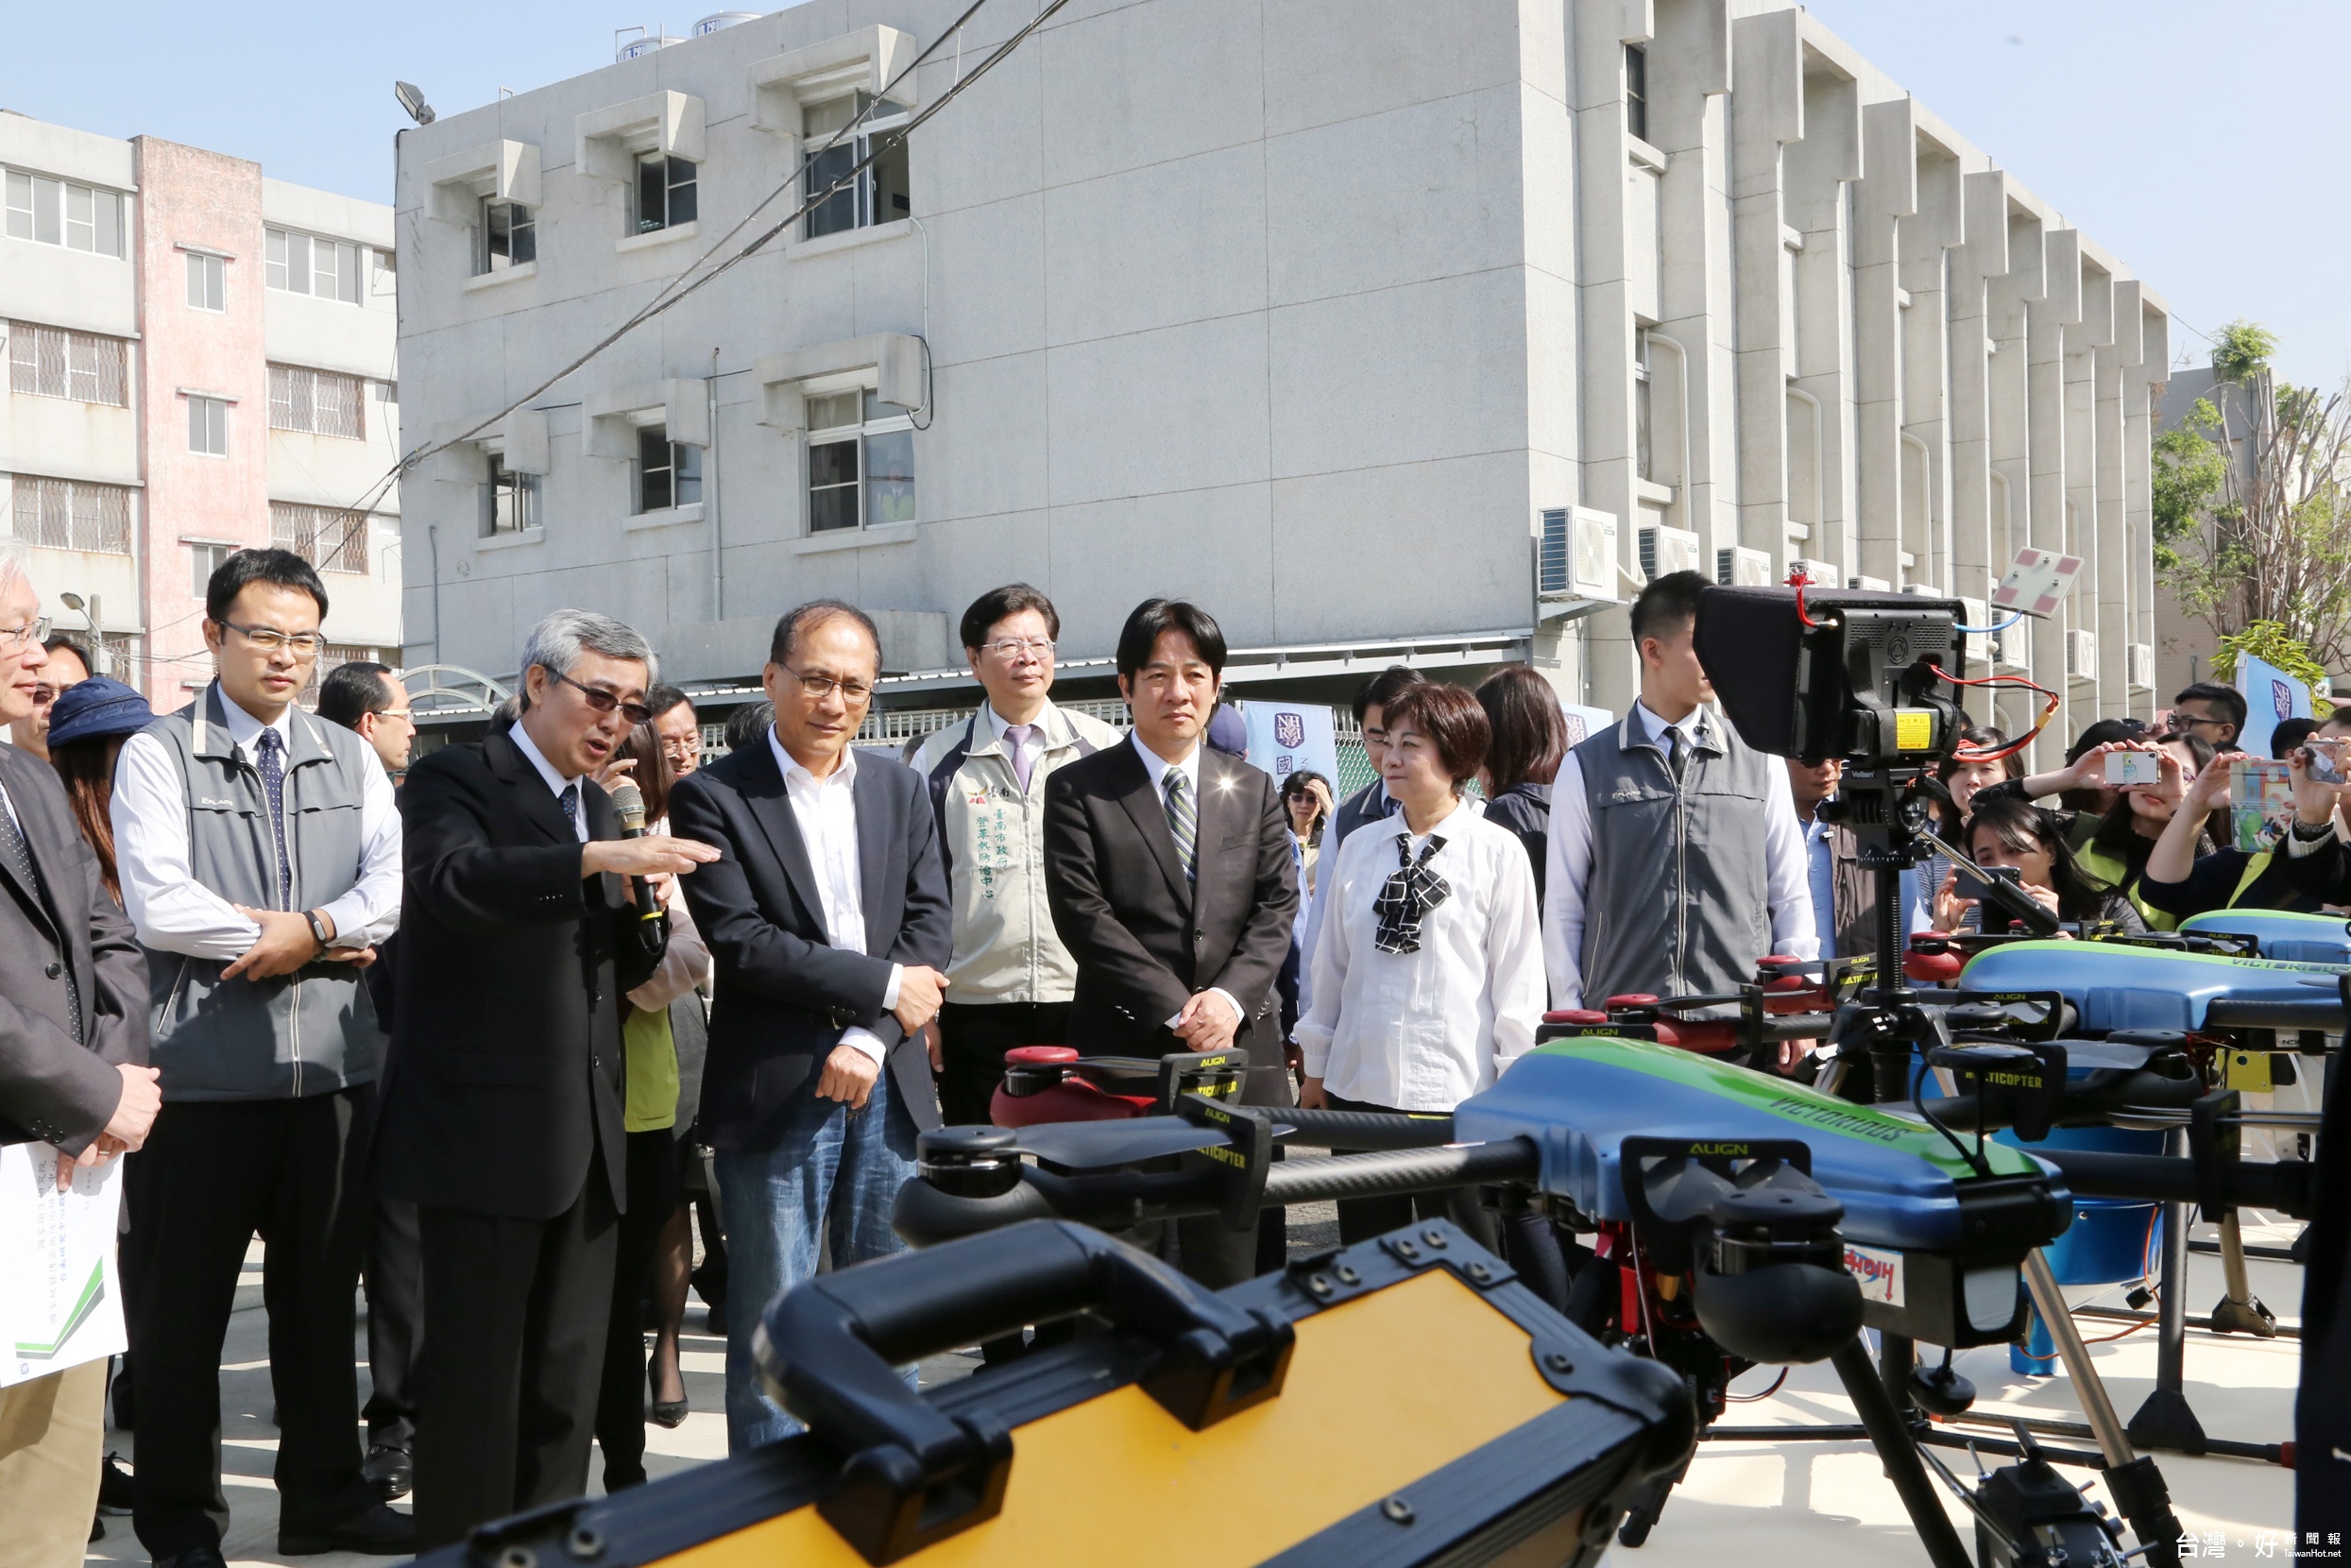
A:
[259,857]
[1676,857]
[826,919]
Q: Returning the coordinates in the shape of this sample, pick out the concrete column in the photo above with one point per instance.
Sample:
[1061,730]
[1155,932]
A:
[1928,239]
[2152,371]
[1982,257]
[1887,194]
[2045,320]
[1817,170]
[2113,548]
[1767,73]
[2094,331]
[1694,406]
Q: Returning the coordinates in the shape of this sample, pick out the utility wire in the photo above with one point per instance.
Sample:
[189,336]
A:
[679,288]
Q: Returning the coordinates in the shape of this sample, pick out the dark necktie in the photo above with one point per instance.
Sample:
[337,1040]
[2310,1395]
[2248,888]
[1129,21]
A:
[1678,758]
[1184,822]
[272,748]
[20,856]
[571,798]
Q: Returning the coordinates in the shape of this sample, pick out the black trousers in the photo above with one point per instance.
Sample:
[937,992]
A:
[972,1038]
[1361,1219]
[515,1312]
[653,1196]
[395,1277]
[211,1177]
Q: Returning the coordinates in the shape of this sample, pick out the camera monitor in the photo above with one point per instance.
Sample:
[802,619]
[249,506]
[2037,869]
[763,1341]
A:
[1835,673]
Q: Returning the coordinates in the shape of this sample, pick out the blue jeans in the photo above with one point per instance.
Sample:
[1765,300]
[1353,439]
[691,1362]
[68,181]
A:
[835,1173]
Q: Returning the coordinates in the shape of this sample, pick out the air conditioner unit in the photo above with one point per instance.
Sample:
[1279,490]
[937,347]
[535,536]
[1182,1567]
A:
[1817,573]
[1869,585]
[1576,556]
[1979,647]
[2012,645]
[1738,566]
[2081,656]
[1666,549]
[2138,666]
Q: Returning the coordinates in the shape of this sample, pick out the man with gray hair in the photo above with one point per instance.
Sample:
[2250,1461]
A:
[501,1116]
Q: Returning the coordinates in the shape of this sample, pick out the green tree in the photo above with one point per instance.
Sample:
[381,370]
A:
[2269,641]
[2189,470]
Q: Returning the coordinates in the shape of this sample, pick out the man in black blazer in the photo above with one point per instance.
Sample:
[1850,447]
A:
[1169,871]
[828,923]
[73,1075]
[500,1112]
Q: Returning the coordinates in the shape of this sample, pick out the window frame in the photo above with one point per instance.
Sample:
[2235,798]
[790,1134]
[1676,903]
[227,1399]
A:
[683,469]
[1636,89]
[279,271]
[670,187]
[526,490]
[862,437]
[208,275]
[71,363]
[296,389]
[863,197]
[199,576]
[522,233]
[105,221]
[203,408]
[70,514]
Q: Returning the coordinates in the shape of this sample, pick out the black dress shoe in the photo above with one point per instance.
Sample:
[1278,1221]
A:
[114,1489]
[377,1532]
[195,1556]
[715,1319]
[389,1470]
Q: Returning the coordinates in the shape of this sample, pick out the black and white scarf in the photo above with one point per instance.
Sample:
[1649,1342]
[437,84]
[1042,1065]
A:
[1405,898]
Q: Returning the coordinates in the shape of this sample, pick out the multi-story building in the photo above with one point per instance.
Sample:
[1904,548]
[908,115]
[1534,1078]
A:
[201,360]
[1385,332]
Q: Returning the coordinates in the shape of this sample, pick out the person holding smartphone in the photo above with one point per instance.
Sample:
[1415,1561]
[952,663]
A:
[2112,847]
[2182,878]
[2006,832]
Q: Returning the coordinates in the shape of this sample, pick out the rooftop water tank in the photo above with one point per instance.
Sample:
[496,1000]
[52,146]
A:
[718,20]
[643,44]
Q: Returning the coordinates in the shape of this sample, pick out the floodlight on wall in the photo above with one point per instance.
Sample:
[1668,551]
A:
[411,98]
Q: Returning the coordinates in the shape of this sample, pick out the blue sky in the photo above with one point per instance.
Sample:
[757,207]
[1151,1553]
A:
[2190,140]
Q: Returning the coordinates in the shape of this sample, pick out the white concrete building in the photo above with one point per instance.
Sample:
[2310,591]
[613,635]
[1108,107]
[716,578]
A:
[1322,313]
[200,359]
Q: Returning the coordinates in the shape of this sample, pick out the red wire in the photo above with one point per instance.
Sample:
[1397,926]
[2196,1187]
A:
[1749,1399]
[1799,609]
[2048,711]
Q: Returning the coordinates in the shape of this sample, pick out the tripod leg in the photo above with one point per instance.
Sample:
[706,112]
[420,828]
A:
[2238,1313]
[1899,1452]
[2164,1421]
[2140,1494]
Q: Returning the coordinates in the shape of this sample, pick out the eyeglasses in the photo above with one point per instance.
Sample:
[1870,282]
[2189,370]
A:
[404,715]
[605,702]
[269,639]
[13,637]
[820,687]
[1012,647]
[2189,720]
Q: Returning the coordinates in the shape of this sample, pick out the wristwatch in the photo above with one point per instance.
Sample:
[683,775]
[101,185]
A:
[2311,832]
[317,928]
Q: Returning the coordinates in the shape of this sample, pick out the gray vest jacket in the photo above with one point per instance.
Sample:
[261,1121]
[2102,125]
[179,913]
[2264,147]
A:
[308,1032]
[1676,902]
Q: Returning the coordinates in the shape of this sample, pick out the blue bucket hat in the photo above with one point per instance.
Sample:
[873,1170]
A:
[95,708]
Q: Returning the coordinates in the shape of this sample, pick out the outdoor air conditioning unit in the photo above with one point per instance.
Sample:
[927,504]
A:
[1665,550]
[2138,666]
[1575,557]
[2012,645]
[1869,585]
[2081,656]
[1818,573]
[1738,566]
[1979,647]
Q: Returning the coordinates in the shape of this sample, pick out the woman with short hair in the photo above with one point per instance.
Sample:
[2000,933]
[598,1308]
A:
[1522,761]
[1427,974]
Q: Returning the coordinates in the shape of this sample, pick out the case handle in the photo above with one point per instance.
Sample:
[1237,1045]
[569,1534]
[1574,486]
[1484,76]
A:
[829,1349]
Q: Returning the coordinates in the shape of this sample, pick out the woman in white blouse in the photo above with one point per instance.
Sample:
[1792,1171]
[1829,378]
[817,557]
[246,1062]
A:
[1427,975]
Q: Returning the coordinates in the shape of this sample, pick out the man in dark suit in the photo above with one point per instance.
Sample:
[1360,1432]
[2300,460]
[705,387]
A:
[73,1075]
[828,923]
[1169,870]
[500,1115]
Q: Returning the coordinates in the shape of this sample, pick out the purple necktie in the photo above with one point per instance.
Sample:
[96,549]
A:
[1024,761]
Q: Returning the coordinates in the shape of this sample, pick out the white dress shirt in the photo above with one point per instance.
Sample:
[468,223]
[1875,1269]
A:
[557,780]
[173,913]
[1787,868]
[1159,768]
[826,810]
[1426,1031]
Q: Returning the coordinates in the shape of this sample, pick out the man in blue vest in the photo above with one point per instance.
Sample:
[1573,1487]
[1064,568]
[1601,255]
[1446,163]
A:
[260,858]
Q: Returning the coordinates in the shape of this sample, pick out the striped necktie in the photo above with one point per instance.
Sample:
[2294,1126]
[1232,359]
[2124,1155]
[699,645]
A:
[1184,822]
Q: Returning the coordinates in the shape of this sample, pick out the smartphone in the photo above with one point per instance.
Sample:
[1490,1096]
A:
[2322,761]
[2126,767]
[2260,801]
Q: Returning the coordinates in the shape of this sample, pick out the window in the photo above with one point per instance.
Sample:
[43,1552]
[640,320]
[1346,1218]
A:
[208,426]
[668,473]
[65,514]
[301,264]
[52,212]
[203,560]
[208,282]
[506,237]
[51,362]
[328,538]
[317,401]
[881,194]
[509,500]
[1642,452]
[665,192]
[860,463]
[1636,89]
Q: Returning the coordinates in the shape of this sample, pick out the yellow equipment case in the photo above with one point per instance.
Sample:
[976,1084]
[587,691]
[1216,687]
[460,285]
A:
[1404,1401]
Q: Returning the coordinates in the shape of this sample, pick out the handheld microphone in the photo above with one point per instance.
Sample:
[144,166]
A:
[628,803]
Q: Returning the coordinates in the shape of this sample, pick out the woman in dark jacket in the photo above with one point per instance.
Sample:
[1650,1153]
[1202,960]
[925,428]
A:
[2184,875]
[2004,830]
[1529,742]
